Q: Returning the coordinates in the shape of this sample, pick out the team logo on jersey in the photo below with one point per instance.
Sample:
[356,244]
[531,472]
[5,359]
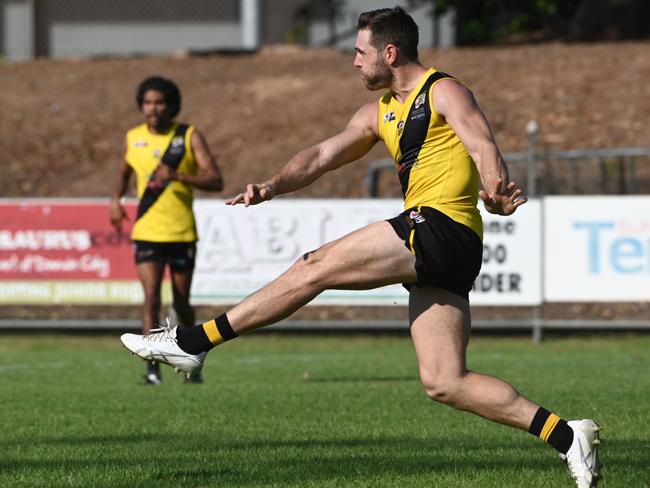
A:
[389,117]
[177,141]
[156,153]
[419,101]
[140,144]
[416,217]
[400,127]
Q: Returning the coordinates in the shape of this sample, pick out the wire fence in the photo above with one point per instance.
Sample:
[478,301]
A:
[607,171]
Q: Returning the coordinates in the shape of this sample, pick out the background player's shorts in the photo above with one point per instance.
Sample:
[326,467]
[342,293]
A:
[179,255]
[448,255]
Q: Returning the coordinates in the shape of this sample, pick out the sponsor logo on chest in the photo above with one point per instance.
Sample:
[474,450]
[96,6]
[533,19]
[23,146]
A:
[419,101]
[389,117]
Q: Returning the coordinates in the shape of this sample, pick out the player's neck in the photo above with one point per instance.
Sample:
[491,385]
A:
[405,79]
[160,129]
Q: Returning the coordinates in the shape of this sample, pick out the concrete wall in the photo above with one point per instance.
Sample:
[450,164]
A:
[125,38]
[120,27]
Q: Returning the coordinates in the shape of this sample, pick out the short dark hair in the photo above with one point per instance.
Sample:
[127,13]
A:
[167,87]
[391,26]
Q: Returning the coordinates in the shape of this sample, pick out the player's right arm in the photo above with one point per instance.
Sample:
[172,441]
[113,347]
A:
[116,210]
[358,137]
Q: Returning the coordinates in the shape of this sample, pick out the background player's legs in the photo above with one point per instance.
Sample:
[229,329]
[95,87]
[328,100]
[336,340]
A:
[370,257]
[151,274]
[440,326]
[181,284]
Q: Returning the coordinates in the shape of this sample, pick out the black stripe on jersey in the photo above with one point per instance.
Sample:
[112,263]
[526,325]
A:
[415,131]
[172,158]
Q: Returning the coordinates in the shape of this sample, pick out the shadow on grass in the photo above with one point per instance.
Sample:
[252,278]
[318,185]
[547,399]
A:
[206,460]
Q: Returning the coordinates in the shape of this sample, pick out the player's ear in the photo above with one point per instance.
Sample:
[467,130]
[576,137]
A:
[390,54]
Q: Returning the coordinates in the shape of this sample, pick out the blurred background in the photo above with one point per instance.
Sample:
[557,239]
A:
[563,84]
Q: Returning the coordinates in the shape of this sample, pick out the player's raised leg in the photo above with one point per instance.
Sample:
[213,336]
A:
[370,257]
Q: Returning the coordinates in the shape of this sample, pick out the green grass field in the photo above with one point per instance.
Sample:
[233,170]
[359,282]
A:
[307,411]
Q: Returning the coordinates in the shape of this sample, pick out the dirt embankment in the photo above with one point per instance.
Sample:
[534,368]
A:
[63,122]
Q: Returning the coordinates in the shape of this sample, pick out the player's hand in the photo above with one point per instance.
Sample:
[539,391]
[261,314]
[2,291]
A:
[165,173]
[253,195]
[117,215]
[503,201]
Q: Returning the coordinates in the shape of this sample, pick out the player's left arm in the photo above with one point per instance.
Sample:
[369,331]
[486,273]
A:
[352,143]
[457,104]
[208,177]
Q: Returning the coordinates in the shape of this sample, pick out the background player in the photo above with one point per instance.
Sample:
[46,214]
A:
[169,159]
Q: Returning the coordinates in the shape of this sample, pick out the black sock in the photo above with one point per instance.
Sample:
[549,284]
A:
[153,368]
[203,337]
[552,429]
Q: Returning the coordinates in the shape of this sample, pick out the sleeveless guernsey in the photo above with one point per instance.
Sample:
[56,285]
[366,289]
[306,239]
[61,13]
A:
[434,167]
[170,217]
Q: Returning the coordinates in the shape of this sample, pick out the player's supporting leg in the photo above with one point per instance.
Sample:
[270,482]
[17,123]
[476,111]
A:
[151,274]
[440,326]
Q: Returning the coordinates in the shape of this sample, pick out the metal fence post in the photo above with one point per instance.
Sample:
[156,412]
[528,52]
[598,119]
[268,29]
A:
[532,130]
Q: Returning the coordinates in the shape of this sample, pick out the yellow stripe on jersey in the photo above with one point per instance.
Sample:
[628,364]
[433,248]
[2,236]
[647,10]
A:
[433,164]
[170,218]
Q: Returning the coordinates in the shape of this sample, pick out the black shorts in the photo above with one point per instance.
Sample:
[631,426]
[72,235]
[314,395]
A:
[179,255]
[448,255]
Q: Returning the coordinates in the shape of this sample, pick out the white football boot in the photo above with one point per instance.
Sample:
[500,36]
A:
[582,456]
[160,345]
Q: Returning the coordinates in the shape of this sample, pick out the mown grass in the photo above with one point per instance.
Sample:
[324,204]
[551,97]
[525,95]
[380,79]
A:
[279,410]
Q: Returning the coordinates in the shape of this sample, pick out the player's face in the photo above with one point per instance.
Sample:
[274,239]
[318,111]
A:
[375,73]
[155,109]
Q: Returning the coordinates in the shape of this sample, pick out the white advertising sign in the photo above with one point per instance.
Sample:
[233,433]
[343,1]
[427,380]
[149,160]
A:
[241,249]
[512,258]
[597,248]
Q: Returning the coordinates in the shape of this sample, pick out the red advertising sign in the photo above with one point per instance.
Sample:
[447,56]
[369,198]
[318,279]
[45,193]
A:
[65,251]
[63,241]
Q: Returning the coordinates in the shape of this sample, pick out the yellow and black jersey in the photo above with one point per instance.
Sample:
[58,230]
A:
[434,167]
[167,215]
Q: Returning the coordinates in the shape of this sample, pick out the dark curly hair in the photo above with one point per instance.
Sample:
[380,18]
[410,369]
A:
[391,26]
[167,87]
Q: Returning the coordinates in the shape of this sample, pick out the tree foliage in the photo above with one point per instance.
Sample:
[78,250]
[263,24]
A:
[499,21]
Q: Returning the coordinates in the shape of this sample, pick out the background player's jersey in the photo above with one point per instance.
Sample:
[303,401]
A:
[170,218]
[434,167]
